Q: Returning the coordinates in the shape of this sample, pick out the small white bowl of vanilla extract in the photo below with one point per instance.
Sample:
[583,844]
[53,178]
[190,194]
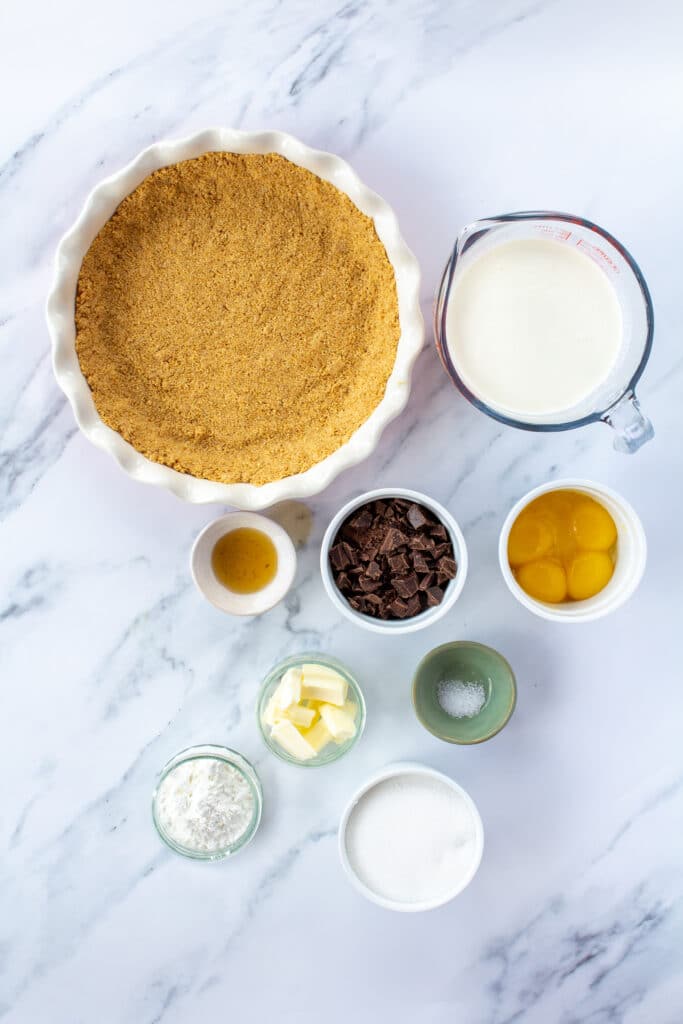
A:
[243,563]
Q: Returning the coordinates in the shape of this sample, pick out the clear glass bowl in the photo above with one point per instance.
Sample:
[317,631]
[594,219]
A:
[232,757]
[332,752]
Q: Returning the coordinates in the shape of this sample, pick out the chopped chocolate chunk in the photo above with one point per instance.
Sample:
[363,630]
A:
[427,581]
[373,570]
[362,521]
[393,539]
[447,566]
[439,532]
[352,553]
[414,606]
[338,557]
[434,596]
[367,585]
[398,563]
[343,581]
[441,578]
[420,563]
[405,586]
[399,609]
[416,517]
[440,550]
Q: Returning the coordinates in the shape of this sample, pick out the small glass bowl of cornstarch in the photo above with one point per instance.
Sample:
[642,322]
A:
[207,803]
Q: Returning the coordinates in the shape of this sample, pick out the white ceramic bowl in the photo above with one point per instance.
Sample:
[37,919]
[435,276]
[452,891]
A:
[390,772]
[101,204]
[397,626]
[630,561]
[226,600]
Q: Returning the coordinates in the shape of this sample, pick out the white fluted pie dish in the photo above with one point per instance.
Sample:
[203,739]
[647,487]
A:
[99,207]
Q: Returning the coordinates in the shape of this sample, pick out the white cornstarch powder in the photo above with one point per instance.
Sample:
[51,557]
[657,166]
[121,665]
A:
[411,839]
[205,805]
[459,699]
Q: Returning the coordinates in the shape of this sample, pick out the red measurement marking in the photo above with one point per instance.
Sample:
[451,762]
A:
[597,254]
[560,234]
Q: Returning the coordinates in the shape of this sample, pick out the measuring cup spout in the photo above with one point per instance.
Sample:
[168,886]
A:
[469,234]
[632,428]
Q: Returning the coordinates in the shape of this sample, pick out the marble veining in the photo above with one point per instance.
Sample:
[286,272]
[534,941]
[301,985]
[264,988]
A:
[112,662]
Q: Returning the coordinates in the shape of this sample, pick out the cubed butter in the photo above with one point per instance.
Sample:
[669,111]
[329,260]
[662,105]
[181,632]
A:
[341,725]
[288,691]
[321,683]
[273,712]
[302,716]
[286,735]
[318,736]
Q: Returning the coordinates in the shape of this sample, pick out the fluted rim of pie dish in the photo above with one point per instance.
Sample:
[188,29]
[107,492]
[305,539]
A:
[99,207]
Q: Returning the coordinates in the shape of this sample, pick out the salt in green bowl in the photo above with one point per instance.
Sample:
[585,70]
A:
[468,662]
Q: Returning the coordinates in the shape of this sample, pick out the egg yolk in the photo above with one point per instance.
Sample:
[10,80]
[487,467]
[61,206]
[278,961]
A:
[593,526]
[529,538]
[589,573]
[543,579]
[562,546]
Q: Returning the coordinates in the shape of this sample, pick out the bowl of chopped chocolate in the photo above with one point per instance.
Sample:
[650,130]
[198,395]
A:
[393,560]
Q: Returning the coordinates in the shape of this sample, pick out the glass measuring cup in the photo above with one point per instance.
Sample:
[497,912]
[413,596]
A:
[614,401]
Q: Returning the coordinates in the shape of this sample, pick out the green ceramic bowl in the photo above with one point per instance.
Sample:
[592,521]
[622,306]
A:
[459,675]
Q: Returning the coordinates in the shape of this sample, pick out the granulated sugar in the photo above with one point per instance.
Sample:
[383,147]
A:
[411,839]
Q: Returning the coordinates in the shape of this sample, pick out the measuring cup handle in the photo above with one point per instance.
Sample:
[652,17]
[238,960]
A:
[632,428]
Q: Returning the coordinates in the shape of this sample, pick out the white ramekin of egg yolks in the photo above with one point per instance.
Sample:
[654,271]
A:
[629,553]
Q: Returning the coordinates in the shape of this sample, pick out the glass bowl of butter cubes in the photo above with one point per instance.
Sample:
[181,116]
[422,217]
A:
[310,710]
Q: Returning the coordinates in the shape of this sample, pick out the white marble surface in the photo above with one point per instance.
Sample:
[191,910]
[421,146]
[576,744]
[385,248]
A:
[111,661]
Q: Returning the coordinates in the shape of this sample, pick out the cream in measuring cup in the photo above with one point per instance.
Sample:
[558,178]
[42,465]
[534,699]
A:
[544,322]
[534,327]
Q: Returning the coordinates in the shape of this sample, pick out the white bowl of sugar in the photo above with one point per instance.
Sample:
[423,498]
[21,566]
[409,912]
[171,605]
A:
[411,838]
